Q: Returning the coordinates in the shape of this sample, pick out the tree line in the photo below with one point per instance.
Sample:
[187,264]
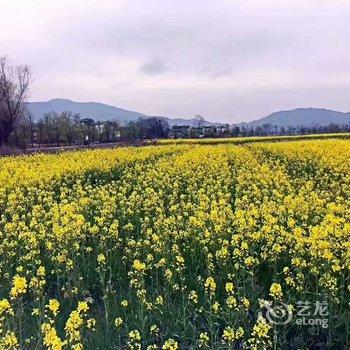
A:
[269,129]
[66,129]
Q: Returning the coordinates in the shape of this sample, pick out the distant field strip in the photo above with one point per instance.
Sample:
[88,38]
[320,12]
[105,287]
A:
[243,140]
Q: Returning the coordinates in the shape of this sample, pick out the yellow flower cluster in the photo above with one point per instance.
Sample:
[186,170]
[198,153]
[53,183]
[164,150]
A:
[19,286]
[276,290]
[51,340]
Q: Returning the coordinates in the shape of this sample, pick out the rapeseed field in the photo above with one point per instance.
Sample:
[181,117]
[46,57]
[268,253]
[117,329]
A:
[177,247]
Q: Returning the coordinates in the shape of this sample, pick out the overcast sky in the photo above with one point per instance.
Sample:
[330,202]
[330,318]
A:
[227,60]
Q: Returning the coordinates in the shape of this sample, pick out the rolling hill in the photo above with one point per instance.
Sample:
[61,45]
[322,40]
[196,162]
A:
[97,111]
[302,117]
[102,112]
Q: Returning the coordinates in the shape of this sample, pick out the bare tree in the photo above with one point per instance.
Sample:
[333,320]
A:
[199,120]
[14,87]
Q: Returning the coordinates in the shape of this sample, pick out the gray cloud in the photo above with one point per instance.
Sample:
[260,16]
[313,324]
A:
[228,60]
[153,67]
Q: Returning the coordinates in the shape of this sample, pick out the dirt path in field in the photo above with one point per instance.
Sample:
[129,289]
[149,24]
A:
[55,149]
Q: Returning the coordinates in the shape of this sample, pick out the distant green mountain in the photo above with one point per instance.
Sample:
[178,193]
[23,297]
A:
[97,111]
[302,117]
[101,112]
